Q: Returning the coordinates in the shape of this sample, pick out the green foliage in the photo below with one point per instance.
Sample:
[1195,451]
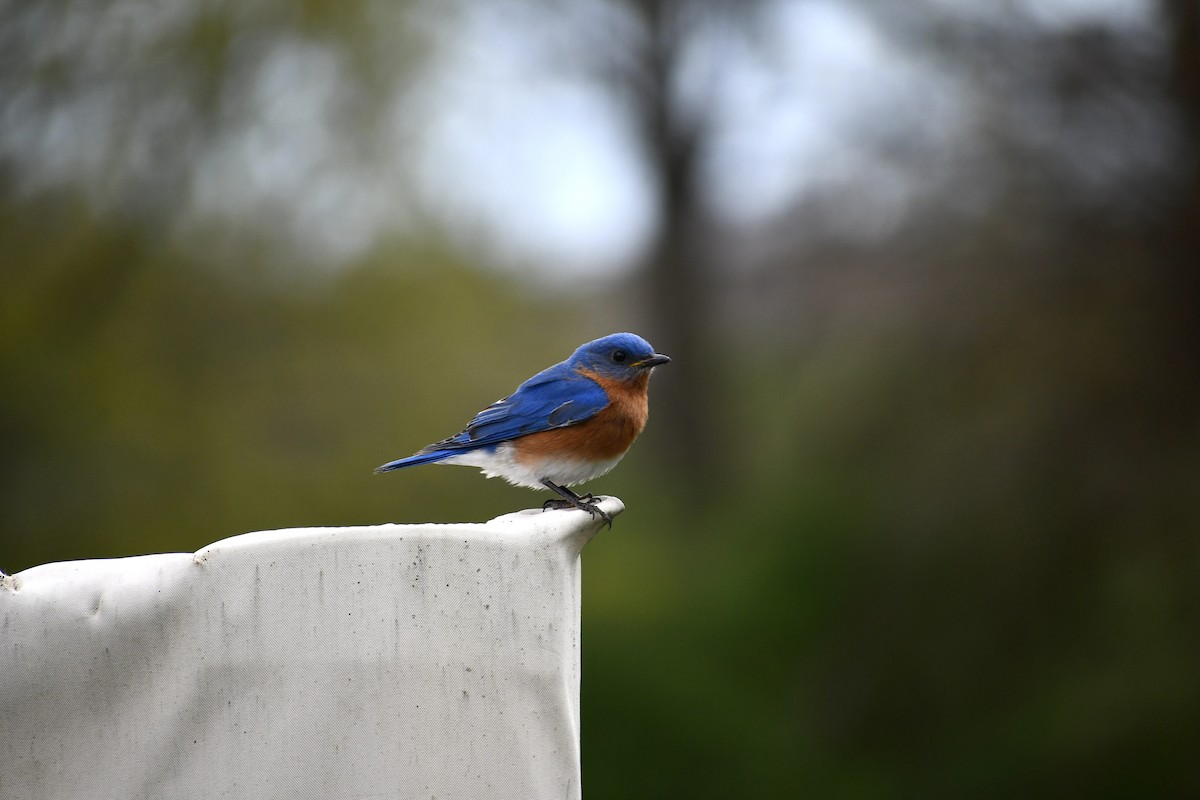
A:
[156,403]
[947,571]
[929,570]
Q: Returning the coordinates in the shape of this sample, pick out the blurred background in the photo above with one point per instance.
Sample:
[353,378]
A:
[916,514]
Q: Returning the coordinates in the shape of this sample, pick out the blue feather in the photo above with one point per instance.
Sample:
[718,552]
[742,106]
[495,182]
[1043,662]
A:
[412,461]
[554,398]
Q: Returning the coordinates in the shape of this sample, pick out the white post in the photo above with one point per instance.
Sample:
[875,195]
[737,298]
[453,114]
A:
[393,661]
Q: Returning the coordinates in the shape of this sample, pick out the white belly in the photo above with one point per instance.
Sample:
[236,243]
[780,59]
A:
[562,471]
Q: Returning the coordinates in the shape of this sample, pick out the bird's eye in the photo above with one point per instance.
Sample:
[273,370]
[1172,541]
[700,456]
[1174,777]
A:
[619,356]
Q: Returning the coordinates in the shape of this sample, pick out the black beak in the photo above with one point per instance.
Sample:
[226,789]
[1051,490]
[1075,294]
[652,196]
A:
[653,361]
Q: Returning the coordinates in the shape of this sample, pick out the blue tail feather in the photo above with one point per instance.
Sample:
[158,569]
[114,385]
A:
[412,461]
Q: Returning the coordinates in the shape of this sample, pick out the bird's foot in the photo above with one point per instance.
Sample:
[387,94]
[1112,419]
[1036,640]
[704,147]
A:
[590,505]
[568,499]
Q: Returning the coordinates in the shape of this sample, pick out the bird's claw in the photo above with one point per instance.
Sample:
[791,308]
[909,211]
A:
[569,499]
[586,503]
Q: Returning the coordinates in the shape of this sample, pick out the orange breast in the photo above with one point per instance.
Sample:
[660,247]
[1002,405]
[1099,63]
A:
[605,436]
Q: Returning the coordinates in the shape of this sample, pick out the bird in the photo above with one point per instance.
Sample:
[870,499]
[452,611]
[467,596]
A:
[566,425]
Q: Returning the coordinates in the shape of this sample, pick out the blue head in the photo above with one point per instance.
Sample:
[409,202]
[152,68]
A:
[620,356]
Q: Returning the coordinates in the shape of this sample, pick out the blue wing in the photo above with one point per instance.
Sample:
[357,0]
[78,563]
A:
[554,398]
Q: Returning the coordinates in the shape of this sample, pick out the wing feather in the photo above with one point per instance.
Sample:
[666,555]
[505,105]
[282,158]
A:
[554,398]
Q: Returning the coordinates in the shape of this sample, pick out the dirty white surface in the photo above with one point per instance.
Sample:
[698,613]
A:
[392,661]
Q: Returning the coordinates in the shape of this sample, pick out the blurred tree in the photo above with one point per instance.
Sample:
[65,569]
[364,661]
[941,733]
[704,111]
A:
[158,402]
[680,278]
[997,396]
[258,126]
[1181,241]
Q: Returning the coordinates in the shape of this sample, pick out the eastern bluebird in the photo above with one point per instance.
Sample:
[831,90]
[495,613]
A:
[568,424]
